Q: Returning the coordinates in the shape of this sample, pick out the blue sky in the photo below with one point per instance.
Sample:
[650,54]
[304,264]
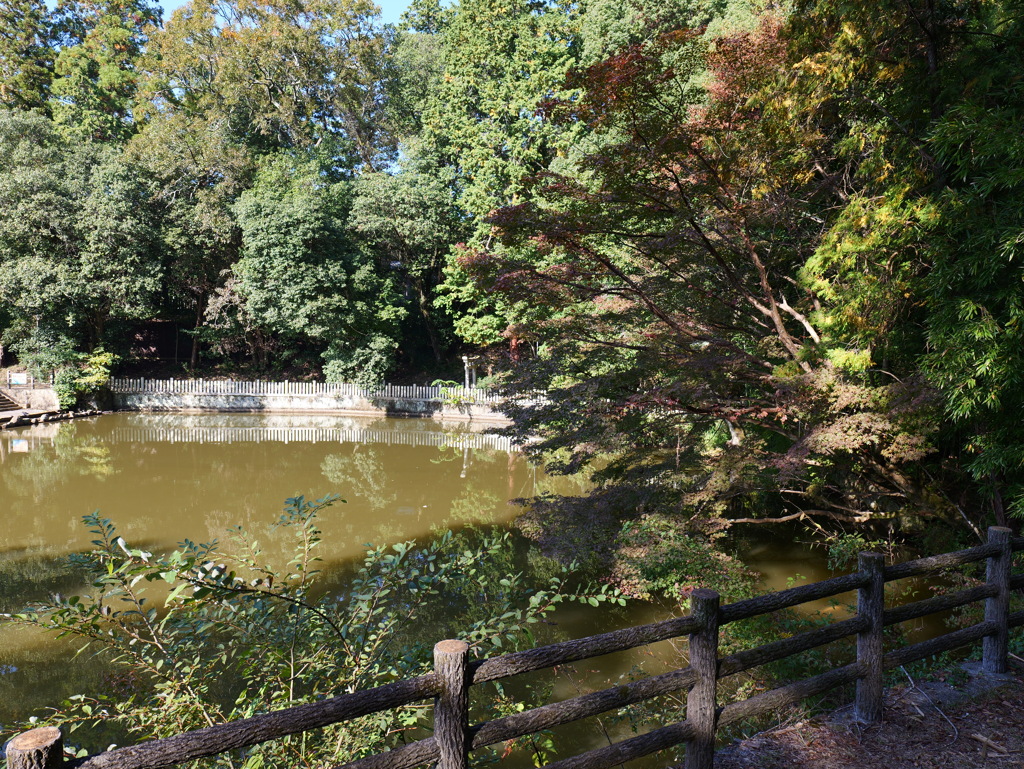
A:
[390,9]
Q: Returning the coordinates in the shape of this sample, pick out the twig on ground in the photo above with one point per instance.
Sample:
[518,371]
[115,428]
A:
[913,684]
[989,744]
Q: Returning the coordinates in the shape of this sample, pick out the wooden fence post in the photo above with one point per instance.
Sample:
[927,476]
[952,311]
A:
[41,748]
[451,707]
[870,604]
[995,647]
[702,701]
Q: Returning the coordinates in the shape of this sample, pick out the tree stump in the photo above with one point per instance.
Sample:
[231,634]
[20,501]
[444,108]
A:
[40,748]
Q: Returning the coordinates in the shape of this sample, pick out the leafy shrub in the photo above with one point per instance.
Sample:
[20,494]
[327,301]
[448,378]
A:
[236,637]
[89,374]
[65,385]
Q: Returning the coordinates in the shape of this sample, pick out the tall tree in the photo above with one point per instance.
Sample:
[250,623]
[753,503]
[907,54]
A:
[278,74]
[228,85]
[502,60]
[975,287]
[409,221]
[665,272]
[79,245]
[920,262]
[302,278]
[27,51]
[96,68]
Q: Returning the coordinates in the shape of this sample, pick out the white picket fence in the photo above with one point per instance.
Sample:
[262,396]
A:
[466,395]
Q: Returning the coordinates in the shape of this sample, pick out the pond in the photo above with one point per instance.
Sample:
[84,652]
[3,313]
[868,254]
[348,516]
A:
[162,478]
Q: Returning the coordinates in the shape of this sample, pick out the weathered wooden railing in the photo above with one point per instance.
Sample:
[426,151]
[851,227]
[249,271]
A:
[454,674]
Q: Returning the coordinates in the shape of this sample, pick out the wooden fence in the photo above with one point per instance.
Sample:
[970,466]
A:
[467,395]
[454,673]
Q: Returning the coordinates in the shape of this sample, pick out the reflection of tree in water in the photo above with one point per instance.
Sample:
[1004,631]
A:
[72,452]
[27,576]
[361,473]
[464,486]
[478,497]
[473,504]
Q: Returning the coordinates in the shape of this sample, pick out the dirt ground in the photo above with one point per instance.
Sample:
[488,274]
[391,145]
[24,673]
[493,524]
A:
[962,722]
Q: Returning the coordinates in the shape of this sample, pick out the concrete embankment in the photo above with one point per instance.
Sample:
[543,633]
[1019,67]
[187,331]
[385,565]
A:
[324,403]
[21,406]
[196,396]
[32,398]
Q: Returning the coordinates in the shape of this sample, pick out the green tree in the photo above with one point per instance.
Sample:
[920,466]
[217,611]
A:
[501,59]
[96,68]
[278,74]
[228,85]
[27,51]
[919,264]
[79,245]
[974,290]
[502,63]
[409,221]
[301,276]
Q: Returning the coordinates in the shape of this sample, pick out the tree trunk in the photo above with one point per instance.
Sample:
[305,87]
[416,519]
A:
[193,360]
[424,305]
[997,501]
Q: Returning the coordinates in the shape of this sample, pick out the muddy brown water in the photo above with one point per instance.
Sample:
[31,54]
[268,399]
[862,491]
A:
[162,478]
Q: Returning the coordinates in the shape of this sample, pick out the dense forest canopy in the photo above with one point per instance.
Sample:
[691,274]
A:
[765,258]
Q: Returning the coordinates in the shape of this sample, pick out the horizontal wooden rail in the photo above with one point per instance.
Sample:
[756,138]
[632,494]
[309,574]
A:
[784,696]
[787,647]
[405,757]
[515,663]
[450,682]
[942,643]
[794,596]
[627,750]
[584,706]
[936,563]
[917,609]
[252,731]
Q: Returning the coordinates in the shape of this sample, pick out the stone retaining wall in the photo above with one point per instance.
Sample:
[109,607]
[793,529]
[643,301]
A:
[35,398]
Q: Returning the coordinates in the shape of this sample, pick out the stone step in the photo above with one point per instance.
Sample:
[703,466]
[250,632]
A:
[6,404]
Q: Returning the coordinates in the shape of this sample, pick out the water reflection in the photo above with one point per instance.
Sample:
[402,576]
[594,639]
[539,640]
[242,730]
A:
[165,477]
[162,478]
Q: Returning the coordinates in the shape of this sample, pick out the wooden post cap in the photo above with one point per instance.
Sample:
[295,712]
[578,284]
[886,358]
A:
[704,594]
[451,647]
[40,748]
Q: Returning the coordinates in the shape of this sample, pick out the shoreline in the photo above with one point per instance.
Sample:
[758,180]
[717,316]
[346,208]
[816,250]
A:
[28,417]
